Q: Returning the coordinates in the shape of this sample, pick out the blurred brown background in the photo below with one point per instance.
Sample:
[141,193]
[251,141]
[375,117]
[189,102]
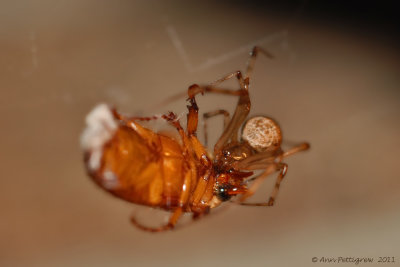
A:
[334,83]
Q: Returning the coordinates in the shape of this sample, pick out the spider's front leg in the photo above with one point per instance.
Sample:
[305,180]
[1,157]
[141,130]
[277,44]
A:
[210,114]
[270,166]
[282,168]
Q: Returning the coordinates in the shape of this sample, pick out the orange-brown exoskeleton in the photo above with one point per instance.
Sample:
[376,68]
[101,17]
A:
[178,174]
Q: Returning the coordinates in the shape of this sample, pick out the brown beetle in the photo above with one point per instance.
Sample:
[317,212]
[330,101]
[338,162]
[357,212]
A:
[179,174]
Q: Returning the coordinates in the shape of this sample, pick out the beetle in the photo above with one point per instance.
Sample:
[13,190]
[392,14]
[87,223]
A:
[178,174]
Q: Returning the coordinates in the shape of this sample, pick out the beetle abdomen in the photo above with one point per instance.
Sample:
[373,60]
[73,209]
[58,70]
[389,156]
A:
[130,169]
[135,163]
[134,171]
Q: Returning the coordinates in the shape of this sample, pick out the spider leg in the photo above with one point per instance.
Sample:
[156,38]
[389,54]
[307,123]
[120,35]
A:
[252,59]
[195,89]
[282,167]
[262,160]
[296,149]
[270,165]
[212,114]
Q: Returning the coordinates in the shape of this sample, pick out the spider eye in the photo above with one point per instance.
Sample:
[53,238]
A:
[221,192]
[262,134]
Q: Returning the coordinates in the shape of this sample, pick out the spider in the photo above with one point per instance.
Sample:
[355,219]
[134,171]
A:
[179,175]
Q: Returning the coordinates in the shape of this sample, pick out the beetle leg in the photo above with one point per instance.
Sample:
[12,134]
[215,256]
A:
[282,167]
[212,114]
[195,89]
[178,211]
[170,225]
[192,117]
[240,114]
[128,120]
[170,118]
[175,215]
